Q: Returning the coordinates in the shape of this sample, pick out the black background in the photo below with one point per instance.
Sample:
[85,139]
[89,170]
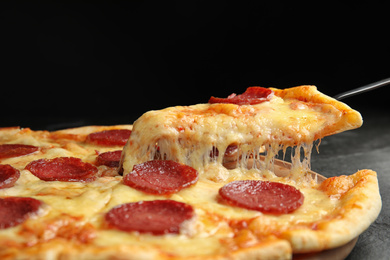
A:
[66,65]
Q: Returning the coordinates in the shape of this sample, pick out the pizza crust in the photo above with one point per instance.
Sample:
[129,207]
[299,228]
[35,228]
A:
[80,133]
[347,222]
[349,118]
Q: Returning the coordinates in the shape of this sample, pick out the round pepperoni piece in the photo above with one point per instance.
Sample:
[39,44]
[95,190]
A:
[8,176]
[161,177]
[16,210]
[63,169]
[110,159]
[265,196]
[252,96]
[110,137]
[157,217]
[16,150]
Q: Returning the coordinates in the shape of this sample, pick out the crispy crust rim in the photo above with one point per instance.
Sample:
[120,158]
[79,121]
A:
[359,207]
[350,119]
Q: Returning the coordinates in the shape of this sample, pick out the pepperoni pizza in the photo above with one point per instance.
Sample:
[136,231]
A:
[191,182]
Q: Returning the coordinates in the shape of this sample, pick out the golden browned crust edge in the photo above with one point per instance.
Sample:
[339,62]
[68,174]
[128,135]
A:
[77,133]
[358,208]
[85,130]
[350,119]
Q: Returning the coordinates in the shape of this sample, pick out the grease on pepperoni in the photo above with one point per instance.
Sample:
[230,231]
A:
[252,96]
[16,150]
[110,159]
[68,169]
[161,177]
[16,210]
[8,176]
[265,196]
[116,137]
[157,217]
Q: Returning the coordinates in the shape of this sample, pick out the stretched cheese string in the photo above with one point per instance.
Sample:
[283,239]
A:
[260,157]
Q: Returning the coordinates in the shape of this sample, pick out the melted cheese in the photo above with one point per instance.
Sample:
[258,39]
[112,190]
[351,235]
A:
[189,134]
[205,236]
[212,224]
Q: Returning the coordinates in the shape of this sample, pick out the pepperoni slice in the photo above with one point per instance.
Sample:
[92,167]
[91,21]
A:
[16,150]
[8,176]
[16,210]
[157,217]
[265,196]
[161,177]
[63,169]
[110,137]
[110,159]
[252,96]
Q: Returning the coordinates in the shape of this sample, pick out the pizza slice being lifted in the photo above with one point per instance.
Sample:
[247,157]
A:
[260,118]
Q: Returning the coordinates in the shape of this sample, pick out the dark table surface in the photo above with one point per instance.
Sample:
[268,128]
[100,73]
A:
[365,148]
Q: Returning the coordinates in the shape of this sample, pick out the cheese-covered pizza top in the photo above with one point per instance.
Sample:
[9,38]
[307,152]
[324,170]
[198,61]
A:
[61,195]
[260,117]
